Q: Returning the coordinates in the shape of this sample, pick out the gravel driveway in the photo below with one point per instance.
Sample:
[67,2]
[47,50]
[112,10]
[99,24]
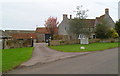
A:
[43,54]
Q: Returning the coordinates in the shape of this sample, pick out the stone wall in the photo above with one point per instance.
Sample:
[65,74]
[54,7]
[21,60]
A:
[9,43]
[60,42]
[40,37]
[103,40]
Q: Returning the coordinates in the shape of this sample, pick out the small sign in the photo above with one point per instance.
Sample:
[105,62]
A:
[82,47]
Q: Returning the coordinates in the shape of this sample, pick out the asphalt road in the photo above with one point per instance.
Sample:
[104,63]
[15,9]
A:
[102,62]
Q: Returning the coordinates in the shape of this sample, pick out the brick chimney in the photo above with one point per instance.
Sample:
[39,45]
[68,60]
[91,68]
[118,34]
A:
[107,11]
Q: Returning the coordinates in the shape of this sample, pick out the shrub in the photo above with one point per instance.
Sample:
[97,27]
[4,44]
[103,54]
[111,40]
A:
[62,41]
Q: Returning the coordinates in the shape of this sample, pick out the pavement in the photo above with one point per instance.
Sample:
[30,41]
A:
[101,62]
[43,54]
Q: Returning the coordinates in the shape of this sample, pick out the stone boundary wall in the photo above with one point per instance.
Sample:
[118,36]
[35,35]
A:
[61,42]
[103,40]
[16,43]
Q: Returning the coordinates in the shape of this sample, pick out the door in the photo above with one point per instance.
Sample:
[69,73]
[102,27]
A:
[47,36]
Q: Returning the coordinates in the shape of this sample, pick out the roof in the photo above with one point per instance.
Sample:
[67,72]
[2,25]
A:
[19,31]
[3,34]
[43,30]
[99,19]
[88,22]
[23,36]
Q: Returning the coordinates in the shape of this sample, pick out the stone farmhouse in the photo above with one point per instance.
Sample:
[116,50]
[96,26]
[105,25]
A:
[63,28]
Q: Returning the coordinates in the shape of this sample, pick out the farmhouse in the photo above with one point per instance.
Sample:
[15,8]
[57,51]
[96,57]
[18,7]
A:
[63,28]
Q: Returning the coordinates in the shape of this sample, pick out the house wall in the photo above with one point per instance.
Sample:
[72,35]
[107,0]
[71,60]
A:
[64,26]
[109,20]
[40,37]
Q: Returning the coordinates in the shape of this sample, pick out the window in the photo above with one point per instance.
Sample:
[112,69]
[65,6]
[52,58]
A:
[94,36]
[81,36]
[65,28]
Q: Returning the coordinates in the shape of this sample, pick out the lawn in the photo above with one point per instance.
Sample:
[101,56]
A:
[89,47]
[11,58]
[0,60]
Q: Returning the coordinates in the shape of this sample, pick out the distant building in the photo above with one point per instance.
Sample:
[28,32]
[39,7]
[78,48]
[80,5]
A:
[119,10]
[17,38]
[42,35]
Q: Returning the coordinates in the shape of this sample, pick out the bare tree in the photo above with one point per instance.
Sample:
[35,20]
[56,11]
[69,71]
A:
[80,13]
[78,25]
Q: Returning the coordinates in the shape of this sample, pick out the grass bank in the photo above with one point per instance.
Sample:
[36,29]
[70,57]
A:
[11,58]
[89,47]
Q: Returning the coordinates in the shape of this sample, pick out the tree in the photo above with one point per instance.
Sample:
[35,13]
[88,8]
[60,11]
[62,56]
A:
[78,25]
[117,27]
[81,14]
[114,34]
[51,25]
[102,30]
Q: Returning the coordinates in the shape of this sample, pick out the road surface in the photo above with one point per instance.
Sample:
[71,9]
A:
[102,62]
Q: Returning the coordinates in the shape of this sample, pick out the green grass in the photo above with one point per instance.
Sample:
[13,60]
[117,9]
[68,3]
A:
[11,58]
[0,60]
[89,47]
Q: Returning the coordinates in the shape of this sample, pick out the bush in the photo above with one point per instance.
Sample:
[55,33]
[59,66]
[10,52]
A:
[112,41]
[62,41]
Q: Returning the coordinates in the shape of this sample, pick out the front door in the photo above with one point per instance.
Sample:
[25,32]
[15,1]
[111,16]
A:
[94,36]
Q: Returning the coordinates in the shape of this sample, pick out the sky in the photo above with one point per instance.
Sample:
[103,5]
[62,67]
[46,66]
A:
[29,14]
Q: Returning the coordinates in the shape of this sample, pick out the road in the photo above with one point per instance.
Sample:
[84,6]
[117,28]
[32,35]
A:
[102,62]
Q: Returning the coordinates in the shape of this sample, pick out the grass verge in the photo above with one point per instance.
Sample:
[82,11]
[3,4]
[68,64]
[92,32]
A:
[11,58]
[89,47]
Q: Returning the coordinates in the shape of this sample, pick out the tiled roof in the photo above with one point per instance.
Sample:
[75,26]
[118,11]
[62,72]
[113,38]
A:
[43,30]
[99,19]
[88,22]
[23,36]
[19,31]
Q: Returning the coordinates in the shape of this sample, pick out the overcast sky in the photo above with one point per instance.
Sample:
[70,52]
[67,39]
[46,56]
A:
[26,14]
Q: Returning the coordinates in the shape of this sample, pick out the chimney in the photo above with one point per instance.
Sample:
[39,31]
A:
[107,11]
[70,16]
[65,16]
